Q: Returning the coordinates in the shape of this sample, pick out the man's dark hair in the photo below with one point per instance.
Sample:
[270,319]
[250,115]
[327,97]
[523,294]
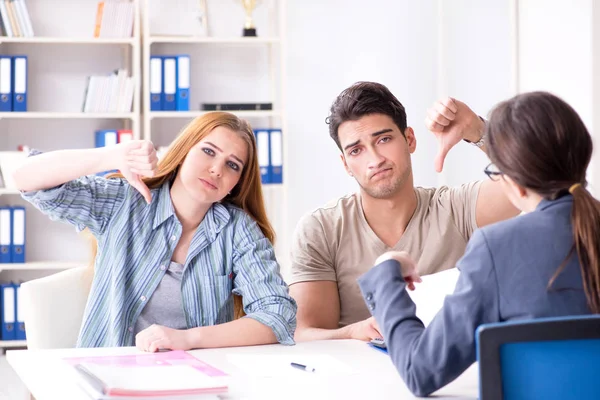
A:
[364,98]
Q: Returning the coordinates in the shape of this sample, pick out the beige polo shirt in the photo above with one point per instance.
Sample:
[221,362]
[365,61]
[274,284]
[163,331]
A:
[335,242]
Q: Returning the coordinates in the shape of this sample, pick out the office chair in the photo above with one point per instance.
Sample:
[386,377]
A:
[54,307]
[547,358]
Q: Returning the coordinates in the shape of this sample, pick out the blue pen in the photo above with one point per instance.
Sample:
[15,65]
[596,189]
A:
[303,367]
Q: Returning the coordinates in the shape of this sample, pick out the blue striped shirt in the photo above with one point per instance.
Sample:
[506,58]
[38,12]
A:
[228,254]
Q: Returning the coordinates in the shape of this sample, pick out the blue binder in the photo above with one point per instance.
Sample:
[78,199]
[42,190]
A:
[156,83]
[5,235]
[183,83]
[264,159]
[276,165]
[19,315]
[7,311]
[169,83]
[107,137]
[6,93]
[19,69]
[18,235]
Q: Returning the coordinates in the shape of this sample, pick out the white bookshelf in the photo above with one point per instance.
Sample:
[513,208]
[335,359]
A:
[67,40]
[60,58]
[223,65]
[54,117]
[66,115]
[194,114]
[40,266]
[12,344]
[243,41]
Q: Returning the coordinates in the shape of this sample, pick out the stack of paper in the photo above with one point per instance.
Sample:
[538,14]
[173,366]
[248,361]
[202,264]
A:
[174,374]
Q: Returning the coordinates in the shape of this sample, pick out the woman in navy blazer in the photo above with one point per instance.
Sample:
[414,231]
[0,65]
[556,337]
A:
[544,263]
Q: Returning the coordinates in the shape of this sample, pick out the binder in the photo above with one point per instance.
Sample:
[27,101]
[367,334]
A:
[5,84]
[183,83]
[169,83]
[106,138]
[7,311]
[19,315]
[276,144]
[5,235]
[19,83]
[156,84]
[262,145]
[125,135]
[18,235]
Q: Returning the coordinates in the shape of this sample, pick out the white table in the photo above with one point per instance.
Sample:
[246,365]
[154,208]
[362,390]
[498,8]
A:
[48,377]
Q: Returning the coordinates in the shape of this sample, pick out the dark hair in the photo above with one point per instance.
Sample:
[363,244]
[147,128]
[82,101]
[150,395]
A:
[541,143]
[364,98]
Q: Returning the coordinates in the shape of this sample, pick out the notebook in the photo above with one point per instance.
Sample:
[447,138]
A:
[174,374]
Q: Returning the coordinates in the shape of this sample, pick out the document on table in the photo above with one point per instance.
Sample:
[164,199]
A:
[429,295]
[276,365]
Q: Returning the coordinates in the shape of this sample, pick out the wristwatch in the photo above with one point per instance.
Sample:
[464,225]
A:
[481,140]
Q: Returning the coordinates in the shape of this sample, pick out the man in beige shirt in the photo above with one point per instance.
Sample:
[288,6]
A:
[339,242]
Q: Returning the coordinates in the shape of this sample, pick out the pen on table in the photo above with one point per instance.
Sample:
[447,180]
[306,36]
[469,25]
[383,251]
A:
[303,367]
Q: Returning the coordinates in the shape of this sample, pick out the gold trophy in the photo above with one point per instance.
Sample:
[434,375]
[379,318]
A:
[249,28]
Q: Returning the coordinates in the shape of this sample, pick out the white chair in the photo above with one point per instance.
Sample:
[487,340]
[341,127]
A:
[53,308]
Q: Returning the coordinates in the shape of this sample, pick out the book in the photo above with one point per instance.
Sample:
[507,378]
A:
[170,374]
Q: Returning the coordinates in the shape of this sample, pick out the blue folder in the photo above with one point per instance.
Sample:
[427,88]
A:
[264,157]
[169,86]
[7,312]
[276,156]
[18,235]
[19,314]
[6,93]
[156,83]
[19,69]
[5,235]
[182,102]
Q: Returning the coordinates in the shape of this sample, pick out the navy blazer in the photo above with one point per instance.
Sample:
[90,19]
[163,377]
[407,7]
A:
[504,275]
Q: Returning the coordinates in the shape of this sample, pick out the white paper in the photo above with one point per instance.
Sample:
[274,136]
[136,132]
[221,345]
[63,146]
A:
[175,377]
[275,365]
[429,295]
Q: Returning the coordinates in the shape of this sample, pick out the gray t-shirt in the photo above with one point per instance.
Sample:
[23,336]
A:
[165,307]
[335,242]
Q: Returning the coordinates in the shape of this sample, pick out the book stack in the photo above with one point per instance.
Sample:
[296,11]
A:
[112,93]
[168,375]
[114,19]
[15,19]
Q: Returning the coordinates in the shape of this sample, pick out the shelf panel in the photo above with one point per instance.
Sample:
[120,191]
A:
[40,265]
[271,187]
[66,40]
[64,115]
[214,40]
[194,114]
[8,344]
[9,191]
